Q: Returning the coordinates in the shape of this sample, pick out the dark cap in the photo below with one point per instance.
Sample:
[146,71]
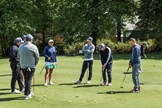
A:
[29,37]
[89,39]
[101,46]
[23,37]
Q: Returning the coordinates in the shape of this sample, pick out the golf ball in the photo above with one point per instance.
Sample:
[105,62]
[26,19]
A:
[69,101]
[45,99]
[95,101]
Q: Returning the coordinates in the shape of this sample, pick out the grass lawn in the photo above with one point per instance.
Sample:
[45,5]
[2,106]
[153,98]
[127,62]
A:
[66,95]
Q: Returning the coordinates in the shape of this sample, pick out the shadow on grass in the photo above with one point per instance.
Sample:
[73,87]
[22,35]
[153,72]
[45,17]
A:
[67,84]
[5,75]
[127,72]
[151,83]
[84,86]
[5,93]
[114,92]
[2,89]
[37,85]
[11,99]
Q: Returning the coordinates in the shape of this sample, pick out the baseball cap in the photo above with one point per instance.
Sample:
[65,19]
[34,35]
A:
[101,46]
[23,37]
[145,43]
[133,39]
[18,39]
[29,37]
[89,39]
[50,40]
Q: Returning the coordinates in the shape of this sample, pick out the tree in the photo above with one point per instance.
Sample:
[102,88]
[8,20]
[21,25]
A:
[150,12]
[80,18]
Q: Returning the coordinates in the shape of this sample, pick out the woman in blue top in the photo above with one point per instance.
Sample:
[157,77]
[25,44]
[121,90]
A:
[50,59]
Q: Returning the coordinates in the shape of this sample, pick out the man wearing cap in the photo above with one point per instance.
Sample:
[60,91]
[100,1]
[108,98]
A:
[24,38]
[135,63]
[50,59]
[17,74]
[143,47]
[106,60]
[29,57]
[88,50]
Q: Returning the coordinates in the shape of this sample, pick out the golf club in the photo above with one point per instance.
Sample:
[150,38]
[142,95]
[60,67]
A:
[101,76]
[124,79]
[42,68]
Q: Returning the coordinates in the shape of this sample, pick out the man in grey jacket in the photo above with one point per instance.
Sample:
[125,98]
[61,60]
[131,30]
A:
[88,50]
[29,57]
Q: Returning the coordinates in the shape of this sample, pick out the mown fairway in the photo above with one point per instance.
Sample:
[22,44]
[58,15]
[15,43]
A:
[66,95]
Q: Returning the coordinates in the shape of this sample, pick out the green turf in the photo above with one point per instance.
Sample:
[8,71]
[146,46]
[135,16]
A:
[66,95]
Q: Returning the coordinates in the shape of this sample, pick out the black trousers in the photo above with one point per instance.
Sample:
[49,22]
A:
[28,74]
[17,75]
[108,69]
[86,64]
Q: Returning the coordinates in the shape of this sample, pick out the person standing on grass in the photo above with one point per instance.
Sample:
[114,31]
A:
[50,59]
[88,50]
[29,57]
[106,60]
[135,63]
[143,47]
[17,74]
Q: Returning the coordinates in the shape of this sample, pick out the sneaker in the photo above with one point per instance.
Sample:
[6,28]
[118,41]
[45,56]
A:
[50,83]
[45,84]
[16,92]
[135,91]
[88,82]
[109,84]
[77,82]
[28,97]
[22,91]
[103,84]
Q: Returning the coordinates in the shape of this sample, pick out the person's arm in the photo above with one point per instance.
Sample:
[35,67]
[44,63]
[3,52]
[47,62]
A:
[13,53]
[36,55]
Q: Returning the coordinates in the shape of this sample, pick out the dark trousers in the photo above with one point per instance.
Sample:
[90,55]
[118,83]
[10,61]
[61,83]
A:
[28,74]
[107,69]
[86,64]
[17,75]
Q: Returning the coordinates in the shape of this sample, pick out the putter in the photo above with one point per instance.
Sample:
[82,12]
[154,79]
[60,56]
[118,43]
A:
[101,76]
[42,68]
[124,79]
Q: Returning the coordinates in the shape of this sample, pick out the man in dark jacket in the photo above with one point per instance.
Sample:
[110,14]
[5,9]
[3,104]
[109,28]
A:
[106,60]
[143,47]
[17,74]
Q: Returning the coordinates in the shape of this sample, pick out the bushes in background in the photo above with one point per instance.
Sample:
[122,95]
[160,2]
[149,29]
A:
[73,49]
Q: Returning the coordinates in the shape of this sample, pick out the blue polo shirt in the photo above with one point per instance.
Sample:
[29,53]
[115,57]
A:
[50,51]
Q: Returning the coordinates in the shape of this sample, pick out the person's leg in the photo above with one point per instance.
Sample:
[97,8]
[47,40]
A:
[104,75]
[135,76]
[14,76]
[46,76]
[90,64]
[84,67]
[25,80]
[29,75]
[20,78]
[109,70]
[50,75]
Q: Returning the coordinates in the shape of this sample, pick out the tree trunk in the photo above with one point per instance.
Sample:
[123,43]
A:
[119,30]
